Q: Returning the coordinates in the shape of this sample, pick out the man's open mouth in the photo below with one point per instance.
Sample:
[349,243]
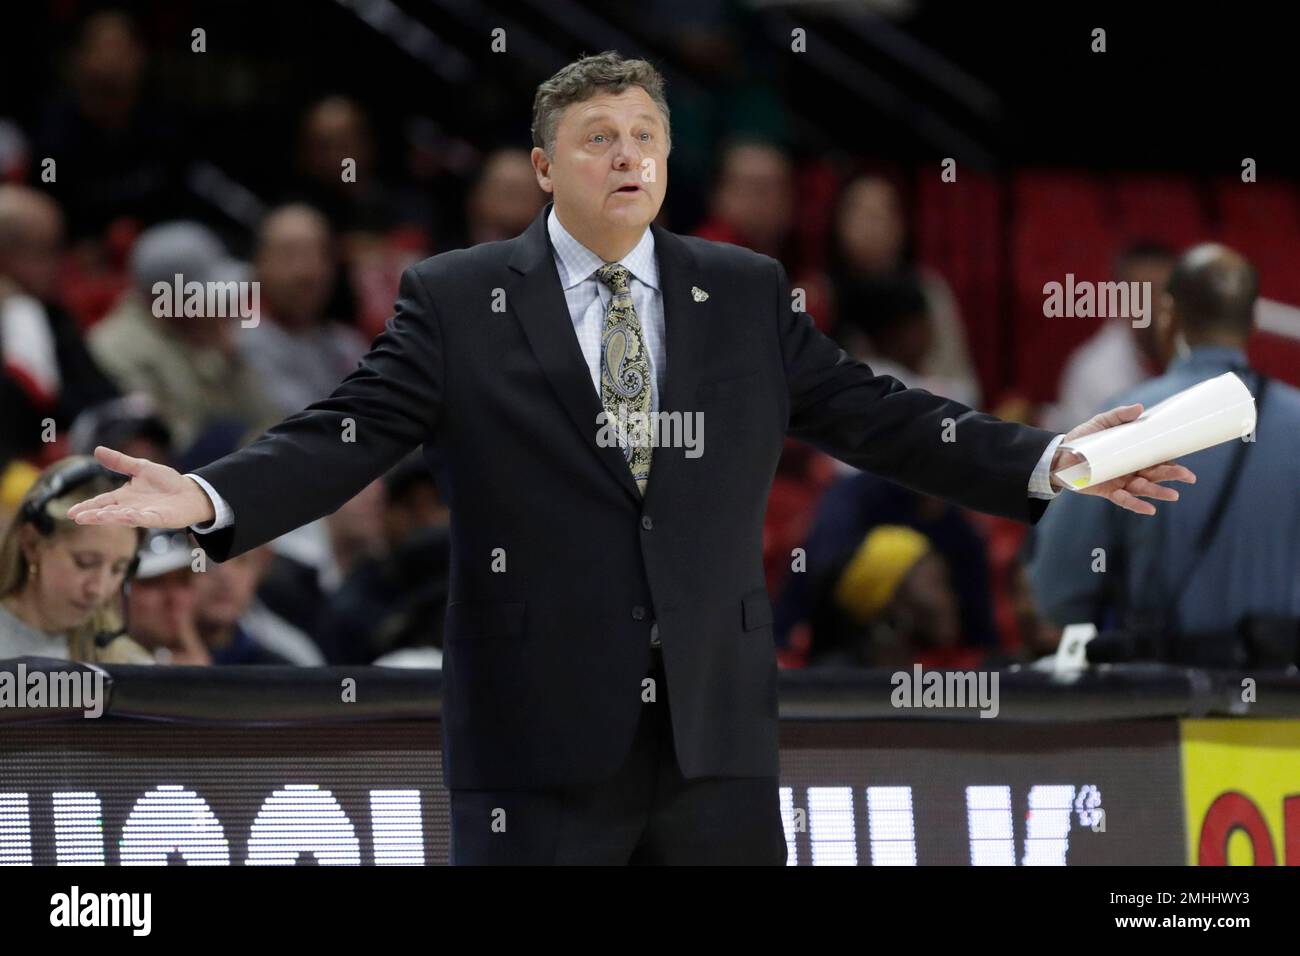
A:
[631,188]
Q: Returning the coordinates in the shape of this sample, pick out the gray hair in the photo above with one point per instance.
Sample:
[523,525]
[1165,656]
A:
[161,251]
[582,79]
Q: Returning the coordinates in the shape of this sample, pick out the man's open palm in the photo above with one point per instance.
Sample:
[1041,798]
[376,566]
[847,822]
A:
[156,496]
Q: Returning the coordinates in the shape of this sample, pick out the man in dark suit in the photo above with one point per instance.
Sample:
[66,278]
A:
[610,686]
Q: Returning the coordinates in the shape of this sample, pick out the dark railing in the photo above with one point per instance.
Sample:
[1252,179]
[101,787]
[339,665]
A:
[296,695]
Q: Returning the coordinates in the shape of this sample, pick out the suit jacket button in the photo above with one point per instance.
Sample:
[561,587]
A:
[647,523]
[638,613]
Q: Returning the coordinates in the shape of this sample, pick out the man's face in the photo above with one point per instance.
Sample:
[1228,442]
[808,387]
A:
[927,594]
[506,199]
[225,591]
[160,606]
[32,258]
[871,229]
[296,268]
[334,131]
[1156,272]
[609,168]
[755,195]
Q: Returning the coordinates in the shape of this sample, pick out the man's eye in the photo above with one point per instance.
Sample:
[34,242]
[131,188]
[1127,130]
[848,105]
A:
[597,136]
[645,136]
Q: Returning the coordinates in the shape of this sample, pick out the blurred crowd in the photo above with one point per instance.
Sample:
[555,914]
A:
[863,572]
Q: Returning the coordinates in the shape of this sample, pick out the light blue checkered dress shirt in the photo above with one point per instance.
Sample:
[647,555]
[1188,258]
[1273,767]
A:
[589,299]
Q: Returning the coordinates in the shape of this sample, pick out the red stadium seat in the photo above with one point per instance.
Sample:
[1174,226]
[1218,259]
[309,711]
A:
[1167,208]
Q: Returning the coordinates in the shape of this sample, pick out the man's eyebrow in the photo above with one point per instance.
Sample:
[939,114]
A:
[604,117]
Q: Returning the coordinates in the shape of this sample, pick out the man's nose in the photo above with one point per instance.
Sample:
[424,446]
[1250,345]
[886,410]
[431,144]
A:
[628,153]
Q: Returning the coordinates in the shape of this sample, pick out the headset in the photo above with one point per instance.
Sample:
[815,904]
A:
[33,512]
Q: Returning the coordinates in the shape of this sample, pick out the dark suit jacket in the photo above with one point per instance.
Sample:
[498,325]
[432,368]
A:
[544,659]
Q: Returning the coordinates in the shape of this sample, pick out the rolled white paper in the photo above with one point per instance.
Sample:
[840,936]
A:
[1207,414]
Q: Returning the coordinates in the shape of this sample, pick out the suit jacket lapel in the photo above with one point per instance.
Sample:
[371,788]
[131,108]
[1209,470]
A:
[538,300]
[686,326]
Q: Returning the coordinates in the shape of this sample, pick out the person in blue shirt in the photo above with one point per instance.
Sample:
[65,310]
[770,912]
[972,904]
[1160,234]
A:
[1112,567]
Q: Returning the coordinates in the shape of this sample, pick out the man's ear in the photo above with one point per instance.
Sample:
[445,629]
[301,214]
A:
[542,167]
[1167,324]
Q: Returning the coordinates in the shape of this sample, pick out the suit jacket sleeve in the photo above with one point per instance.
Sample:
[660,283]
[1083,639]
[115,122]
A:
[876,423]
[313,462]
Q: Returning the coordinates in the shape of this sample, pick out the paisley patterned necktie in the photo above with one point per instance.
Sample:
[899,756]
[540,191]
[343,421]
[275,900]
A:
[625,372]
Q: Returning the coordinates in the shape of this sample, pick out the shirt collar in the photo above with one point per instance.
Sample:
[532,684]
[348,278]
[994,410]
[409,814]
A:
[1211,356]
[577,262]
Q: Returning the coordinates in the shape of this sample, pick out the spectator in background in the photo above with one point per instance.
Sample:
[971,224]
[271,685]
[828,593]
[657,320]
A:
[117,152]
[1038,637]
[396,602]
[47,371]
[301,568]
[885,321]
[225,607]
[850,509]
[754,200]
[295,351]
[357,532]
[888,603]
[162,599]
[60,582]
[338,173]
[869,241]
[191,366]
[1155,572]
[312,562]
[1119,355]
[131,423]
[504,199]
[753,205]
[381,227]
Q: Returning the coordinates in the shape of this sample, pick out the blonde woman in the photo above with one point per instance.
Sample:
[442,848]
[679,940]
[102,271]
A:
[60,582]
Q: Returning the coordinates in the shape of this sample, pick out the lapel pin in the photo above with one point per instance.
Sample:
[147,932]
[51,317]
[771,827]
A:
[698,294]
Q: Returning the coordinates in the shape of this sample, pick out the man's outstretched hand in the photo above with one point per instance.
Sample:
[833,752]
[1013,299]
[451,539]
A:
[156,496]
[1125,489]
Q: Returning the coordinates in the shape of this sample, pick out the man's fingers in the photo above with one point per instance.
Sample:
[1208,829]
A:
[112,516]
[114,460]
[1118,415]
[132,517]
[113,513]
[1149,489]
[1168,472]
[1125,500]
[82,508]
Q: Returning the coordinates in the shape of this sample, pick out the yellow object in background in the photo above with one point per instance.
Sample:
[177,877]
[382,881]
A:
[15,482]
[877,568]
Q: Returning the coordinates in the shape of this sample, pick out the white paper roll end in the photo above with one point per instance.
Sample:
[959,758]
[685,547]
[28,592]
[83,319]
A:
[1076,477]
